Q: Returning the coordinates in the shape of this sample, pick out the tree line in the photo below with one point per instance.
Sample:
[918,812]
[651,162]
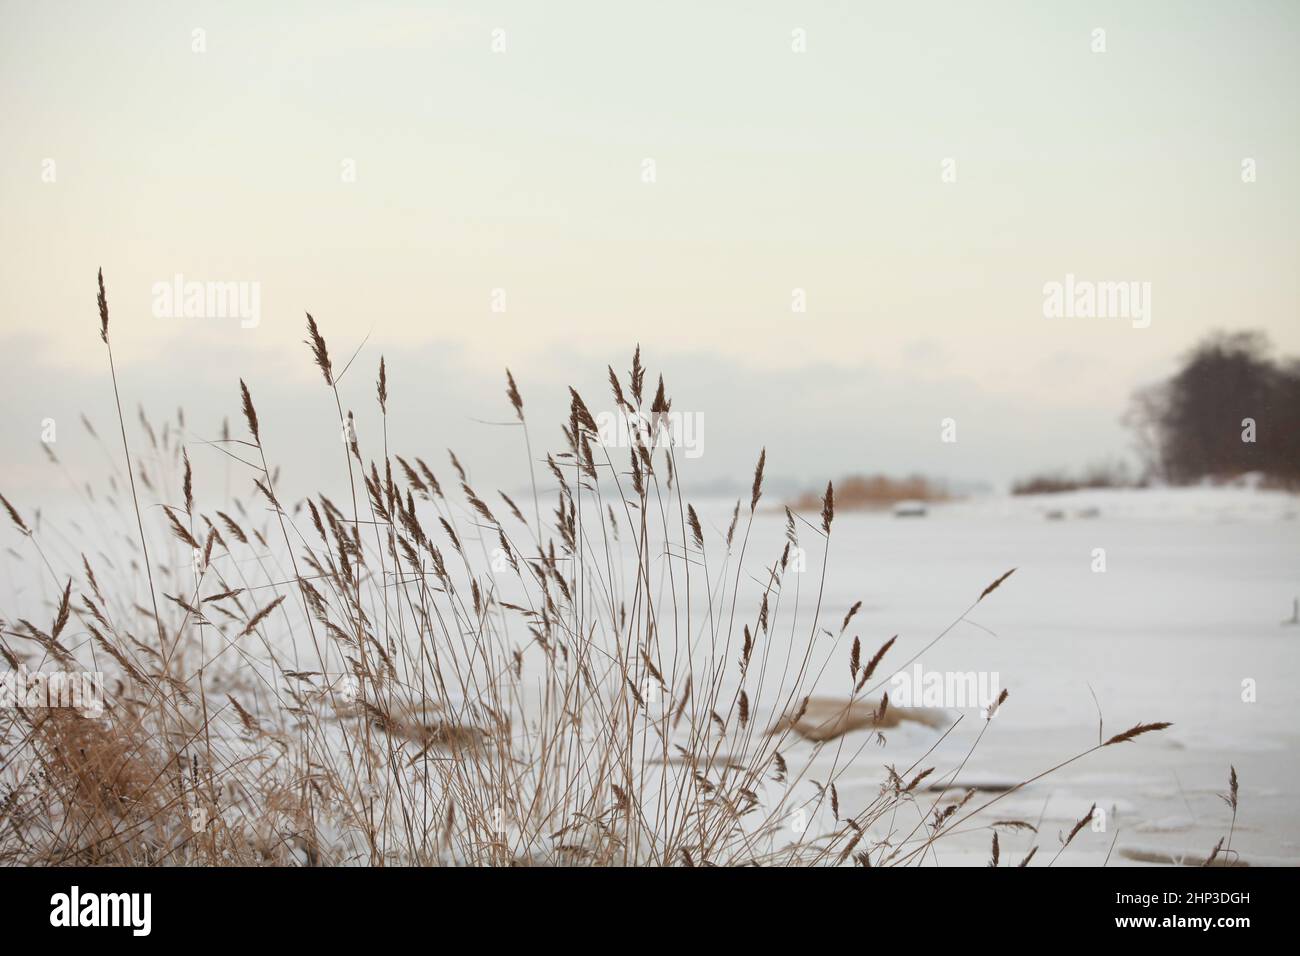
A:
[1231,408]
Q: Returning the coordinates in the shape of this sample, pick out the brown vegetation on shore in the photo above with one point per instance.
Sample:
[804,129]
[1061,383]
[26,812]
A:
[874,492]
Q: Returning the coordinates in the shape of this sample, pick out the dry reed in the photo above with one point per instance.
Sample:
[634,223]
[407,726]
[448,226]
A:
[421,680]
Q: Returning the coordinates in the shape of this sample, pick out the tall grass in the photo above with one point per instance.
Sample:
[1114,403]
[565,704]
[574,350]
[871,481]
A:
[423,675]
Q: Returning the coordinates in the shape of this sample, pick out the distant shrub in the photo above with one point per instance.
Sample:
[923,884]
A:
[1105,475]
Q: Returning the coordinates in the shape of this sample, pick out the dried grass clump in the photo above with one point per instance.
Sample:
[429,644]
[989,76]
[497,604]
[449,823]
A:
[419,672]
[871,492]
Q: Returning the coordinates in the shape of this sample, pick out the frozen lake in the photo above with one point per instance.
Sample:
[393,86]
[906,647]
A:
[1184,624]
[1186,615]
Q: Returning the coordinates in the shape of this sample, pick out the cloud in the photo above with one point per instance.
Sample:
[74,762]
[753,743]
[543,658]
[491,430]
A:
[817,420]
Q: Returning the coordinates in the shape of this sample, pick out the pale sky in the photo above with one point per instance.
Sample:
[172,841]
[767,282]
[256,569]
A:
[522,170]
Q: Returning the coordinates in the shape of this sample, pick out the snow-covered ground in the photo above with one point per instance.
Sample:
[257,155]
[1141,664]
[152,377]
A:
[1184,624]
